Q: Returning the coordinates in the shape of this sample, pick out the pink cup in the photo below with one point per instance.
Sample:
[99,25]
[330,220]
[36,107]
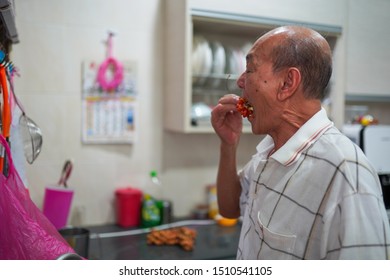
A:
[56,205]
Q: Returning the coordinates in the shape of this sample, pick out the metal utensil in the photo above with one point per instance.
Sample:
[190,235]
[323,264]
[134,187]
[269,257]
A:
[32,138]
[65,174]
[30,131]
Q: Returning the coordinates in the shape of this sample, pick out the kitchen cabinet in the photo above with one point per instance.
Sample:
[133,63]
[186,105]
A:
[367,55]
[194,76]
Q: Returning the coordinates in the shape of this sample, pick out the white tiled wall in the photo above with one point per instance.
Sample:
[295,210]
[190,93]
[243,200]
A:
[55,37]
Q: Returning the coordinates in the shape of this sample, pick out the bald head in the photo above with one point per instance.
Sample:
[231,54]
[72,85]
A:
[303,48]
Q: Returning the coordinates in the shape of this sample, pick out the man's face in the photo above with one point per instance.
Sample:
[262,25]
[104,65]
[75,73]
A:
[260,86]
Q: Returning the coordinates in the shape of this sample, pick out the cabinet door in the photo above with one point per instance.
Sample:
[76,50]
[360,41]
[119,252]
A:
[367,50]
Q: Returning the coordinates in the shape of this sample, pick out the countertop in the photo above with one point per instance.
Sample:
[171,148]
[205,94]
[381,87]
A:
[111,242]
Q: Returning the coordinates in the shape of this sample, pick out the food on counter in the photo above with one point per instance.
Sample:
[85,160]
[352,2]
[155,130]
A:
[182,236]
[244,107]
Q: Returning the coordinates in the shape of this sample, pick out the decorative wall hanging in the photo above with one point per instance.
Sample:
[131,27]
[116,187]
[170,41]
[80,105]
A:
[109,100]
[110,73]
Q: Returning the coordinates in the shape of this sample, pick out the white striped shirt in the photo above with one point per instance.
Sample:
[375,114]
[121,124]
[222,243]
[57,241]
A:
[317,197]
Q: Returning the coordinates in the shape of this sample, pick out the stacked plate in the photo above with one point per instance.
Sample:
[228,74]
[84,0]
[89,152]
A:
[211,61]
[219,63]
[202,59]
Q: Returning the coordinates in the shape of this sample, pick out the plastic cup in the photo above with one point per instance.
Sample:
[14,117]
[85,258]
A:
[128,207]
[56,205]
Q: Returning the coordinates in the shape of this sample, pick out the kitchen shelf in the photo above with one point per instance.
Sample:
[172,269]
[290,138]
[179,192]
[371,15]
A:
[350,97]
[236,32]
[259,21]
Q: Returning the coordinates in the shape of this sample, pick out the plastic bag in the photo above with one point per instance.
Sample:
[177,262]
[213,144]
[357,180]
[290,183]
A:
[25,233]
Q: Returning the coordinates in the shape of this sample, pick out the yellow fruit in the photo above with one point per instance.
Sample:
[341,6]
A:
[222,221]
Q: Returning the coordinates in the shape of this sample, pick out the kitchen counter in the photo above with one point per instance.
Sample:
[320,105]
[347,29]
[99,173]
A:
[111,242]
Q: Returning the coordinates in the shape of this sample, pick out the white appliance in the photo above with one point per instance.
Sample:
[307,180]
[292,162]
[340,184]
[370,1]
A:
[375,143]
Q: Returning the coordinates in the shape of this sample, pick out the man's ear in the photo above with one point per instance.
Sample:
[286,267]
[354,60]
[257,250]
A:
[290,83]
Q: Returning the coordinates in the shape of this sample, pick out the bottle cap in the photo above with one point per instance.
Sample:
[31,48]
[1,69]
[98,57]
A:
[153,173]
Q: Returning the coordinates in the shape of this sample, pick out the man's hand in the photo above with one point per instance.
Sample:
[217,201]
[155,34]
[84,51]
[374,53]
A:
[226,120]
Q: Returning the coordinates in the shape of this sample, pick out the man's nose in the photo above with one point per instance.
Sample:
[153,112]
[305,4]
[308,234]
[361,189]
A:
[241,81]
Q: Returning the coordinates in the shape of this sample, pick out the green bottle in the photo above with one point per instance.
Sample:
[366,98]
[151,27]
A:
[150,213]
[151,208]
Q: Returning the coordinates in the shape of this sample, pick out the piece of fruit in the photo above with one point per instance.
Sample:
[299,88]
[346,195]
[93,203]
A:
[244,107]
[226,222]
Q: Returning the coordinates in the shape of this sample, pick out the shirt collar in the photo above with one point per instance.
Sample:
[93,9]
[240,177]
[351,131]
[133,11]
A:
[299,142]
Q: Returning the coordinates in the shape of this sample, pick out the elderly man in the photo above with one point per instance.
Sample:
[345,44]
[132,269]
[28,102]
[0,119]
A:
[308,192]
